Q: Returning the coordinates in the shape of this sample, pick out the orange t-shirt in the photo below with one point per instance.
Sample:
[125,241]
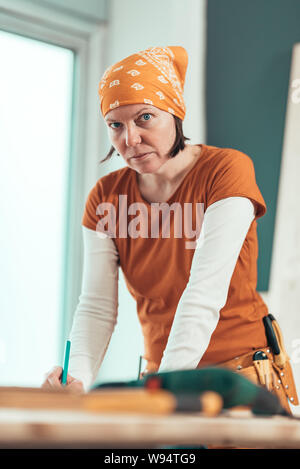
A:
[157,269]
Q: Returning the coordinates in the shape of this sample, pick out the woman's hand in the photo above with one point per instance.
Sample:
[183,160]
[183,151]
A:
[144,373]
[53,381]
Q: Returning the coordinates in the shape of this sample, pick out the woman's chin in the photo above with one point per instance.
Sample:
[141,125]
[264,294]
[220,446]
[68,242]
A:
[146,168]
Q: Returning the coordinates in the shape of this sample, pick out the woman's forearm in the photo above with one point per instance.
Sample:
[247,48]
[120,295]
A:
[96,314]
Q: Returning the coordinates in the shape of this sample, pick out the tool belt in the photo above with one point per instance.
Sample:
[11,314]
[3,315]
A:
[269,366]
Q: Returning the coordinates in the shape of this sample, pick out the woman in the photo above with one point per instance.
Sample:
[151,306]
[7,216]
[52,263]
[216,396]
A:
[180,220]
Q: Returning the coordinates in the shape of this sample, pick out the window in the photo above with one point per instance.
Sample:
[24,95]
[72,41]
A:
[36,83]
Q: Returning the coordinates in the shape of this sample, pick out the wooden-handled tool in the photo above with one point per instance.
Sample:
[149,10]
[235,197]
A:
[112,400]
[152,401]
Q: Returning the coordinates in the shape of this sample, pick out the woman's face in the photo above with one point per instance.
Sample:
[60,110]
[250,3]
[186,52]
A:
[136,129]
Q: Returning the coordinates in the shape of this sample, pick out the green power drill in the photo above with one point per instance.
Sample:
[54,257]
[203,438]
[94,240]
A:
[187,385]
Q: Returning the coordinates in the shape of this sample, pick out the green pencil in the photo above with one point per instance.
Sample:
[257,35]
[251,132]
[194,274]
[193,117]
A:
[66,363]
[140,367]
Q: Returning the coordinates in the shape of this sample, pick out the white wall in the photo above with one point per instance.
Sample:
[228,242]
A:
[283,297]
[135,25]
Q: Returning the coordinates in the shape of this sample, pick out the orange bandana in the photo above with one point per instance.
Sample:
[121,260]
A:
[154,76]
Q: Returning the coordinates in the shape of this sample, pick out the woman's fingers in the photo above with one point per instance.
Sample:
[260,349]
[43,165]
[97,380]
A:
[75,386]
[53,381]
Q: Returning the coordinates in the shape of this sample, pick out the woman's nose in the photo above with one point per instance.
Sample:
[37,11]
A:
[132,136]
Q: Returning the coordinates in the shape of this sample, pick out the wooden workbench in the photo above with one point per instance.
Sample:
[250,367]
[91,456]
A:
[31,418]
[37,428]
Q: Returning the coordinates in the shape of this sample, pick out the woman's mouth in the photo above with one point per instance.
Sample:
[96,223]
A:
[142,156]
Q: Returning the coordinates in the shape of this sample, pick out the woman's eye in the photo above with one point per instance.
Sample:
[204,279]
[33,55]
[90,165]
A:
[115,123]
[146,116]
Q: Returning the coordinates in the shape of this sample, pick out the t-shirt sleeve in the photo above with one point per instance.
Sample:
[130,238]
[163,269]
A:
[233,175]
[90,217]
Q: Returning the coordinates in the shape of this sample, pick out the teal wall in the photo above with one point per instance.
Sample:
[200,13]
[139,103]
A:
[248,61]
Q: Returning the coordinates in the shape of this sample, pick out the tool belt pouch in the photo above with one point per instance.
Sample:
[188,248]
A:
[284,382]
[264,372]
[281,374]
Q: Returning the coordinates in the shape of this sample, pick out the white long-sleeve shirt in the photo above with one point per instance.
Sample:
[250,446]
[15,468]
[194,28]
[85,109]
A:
[224,228]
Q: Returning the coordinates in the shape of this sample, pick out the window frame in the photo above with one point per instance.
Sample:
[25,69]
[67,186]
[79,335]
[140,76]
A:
[86,38]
